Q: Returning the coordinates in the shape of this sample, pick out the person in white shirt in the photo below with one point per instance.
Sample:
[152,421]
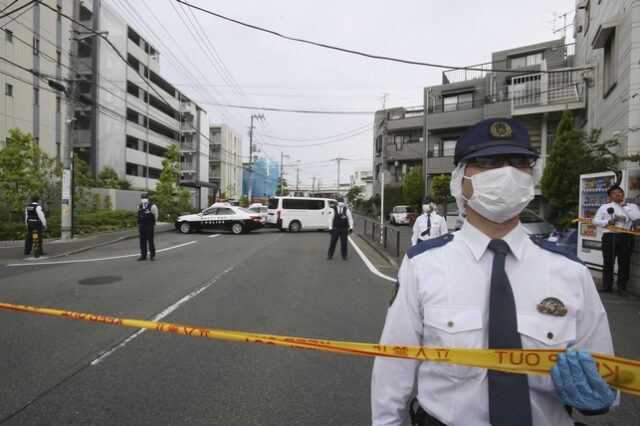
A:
[429,224]
[340,226]
[491,285]
[618,244]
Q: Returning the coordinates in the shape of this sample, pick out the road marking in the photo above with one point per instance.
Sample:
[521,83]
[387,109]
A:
[214,235]
[367,262]
[97,259]
[161,315]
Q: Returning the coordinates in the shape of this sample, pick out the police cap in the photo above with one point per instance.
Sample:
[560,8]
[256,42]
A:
[493,136]
[341,199]
[144,195]
[428,200]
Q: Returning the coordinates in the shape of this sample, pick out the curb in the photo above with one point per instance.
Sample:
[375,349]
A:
[389,258]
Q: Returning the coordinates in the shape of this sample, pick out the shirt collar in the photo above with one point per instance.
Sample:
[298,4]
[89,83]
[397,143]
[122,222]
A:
[478,242]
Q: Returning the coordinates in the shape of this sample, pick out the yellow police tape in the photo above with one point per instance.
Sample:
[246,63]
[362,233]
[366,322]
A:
[621,374]
[589,221]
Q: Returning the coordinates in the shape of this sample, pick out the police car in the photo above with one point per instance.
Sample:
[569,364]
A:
[230,218]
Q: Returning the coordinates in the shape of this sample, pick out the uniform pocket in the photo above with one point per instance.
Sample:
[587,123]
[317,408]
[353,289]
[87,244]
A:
[453,327]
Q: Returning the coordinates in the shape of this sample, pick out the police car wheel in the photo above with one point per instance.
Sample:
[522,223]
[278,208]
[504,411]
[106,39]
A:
[294,226]
[237,228]
[185,227]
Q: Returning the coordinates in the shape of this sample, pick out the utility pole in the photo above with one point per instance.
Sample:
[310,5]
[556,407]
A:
[339,159]
[250,192]
[297,177]
[282,155]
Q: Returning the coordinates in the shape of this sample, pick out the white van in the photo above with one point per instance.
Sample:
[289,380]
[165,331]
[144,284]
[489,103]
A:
[296,213]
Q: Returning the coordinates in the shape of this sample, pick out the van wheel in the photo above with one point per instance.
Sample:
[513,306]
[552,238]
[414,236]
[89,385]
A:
[185,227]
[237,228]
[294,226]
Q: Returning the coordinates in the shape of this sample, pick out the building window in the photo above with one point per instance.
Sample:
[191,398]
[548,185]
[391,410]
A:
[525,60]
[36,96]
[457,102]
[8,36]
[609,69]
[448,147]
[8,89]
[36,46]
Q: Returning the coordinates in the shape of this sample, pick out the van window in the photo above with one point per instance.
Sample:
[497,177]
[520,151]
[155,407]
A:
[315,204]
[273,203]
[292,203]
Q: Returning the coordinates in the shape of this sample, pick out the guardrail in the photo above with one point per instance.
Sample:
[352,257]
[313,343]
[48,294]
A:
[388,237]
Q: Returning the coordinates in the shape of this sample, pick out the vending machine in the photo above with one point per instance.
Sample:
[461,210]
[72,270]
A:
[593,194]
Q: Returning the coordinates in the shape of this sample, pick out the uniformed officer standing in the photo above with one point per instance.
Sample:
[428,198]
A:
[490,285]
[429,224]
[35,221]
[624,215]
[340,225]
[147,217]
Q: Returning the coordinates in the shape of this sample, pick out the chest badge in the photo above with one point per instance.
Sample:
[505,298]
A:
[552,306]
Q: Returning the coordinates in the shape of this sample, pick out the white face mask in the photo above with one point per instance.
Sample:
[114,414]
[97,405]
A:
[500,194]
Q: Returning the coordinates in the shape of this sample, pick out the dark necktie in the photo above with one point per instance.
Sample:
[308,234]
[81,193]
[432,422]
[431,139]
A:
[428,224]
[509,402]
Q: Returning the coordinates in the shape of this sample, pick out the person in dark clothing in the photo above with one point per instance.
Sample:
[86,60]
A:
[147,217]
[36,222]
[340,225]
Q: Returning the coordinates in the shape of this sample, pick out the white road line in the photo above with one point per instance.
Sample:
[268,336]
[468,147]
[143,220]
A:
[367,262]
[214,235]
[161,315]
[97,259]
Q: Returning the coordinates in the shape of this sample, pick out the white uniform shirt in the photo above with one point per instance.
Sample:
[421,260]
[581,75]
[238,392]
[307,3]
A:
[626,215]
[40,214]
[443,301]
[438,227]
[340,209]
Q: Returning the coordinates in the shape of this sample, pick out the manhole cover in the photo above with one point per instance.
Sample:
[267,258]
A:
[99,280]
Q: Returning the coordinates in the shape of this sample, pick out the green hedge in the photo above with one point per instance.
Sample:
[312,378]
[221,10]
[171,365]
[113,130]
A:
[84,223]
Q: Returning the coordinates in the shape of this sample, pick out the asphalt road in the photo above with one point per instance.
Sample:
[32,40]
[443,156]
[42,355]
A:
[58,371]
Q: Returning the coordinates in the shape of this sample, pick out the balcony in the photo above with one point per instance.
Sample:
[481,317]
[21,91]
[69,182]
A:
[547,92]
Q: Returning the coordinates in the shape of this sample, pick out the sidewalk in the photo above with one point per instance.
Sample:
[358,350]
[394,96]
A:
[57,248]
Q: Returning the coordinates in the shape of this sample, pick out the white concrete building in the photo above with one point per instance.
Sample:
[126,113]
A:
[36,38]
[225,160]
[363,177]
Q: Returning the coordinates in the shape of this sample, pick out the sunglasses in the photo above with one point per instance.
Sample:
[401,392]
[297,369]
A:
[495,161]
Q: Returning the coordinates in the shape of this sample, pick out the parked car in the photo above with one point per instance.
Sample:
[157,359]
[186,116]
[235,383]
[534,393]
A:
[261,210]
[230,218]
[530,221]
[402,215]
[569,240]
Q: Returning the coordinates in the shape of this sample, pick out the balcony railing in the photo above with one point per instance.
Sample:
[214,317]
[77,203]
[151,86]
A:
[551,88]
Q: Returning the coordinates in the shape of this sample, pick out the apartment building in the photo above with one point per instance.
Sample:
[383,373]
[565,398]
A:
[35,48]
[607,36]
[516,83]
[363,177]
[225,161]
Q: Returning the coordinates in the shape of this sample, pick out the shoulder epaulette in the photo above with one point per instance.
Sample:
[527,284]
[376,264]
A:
[550,246]
[423,246]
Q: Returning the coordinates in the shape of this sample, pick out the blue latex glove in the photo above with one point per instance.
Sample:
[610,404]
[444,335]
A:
[578,383]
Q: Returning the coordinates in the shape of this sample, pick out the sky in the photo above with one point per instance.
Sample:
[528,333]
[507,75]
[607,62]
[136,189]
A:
[221,64]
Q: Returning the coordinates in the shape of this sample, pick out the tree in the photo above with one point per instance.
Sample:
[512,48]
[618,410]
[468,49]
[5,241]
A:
[21,174]
[165,197]
[573,154]
[413,187]
[354,194]
[108,178]
[284,190]
[81,181]
[441,188]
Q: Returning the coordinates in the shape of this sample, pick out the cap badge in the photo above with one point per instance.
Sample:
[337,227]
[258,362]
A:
[552,306]
[500,129]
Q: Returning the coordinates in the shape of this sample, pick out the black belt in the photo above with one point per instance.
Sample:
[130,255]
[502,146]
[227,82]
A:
[419,417]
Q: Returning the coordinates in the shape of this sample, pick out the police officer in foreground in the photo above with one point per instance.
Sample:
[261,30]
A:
[491,285]
[35,221]
[147,217]
[340,225]
[429,224]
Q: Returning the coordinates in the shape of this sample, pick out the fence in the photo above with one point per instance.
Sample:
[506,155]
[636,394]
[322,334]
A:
[389,238]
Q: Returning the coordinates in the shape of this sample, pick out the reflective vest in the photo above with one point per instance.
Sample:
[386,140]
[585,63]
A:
[145,215]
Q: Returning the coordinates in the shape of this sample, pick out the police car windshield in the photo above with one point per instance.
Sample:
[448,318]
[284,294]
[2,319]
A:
[246,210]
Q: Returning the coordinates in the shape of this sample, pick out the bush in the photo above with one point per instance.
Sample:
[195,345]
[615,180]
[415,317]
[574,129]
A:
[84,223]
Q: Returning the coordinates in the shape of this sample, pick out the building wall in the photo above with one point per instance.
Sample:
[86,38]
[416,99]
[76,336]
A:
[18,110]
[229,163]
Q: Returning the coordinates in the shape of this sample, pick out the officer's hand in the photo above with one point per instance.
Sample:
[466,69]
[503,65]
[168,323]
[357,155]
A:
[578,383]
[350,231]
